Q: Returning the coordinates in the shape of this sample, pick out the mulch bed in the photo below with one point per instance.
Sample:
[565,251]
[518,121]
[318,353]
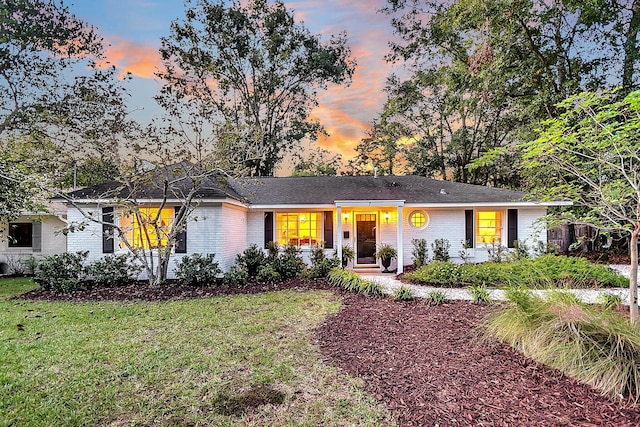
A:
[142,291]
[425,363]
[428,365]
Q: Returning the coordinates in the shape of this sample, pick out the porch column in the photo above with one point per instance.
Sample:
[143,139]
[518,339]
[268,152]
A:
[339,228]
[400,243]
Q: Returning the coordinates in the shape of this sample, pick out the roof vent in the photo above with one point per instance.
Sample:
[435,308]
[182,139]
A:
[443,191]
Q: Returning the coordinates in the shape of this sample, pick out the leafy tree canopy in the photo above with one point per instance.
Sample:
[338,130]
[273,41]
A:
[253,69]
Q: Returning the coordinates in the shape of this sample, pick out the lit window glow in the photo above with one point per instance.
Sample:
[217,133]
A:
[299,228]
[418,219]
[142,232]
[488,227]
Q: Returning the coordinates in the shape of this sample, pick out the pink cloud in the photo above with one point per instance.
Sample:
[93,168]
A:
[139,59]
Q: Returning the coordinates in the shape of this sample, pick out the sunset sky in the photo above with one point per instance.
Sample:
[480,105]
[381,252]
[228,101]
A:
[133,32]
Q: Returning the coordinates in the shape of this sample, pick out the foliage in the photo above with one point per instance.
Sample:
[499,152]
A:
[480,294]
[347,254]
[420,252]
[463,254]
[236,277]
[61,272]
[31,263]
[197,270]
[267,274]
[113,270]
[322,268]
[540,272]
[596,346]
[484,71]
[290,263]
[351,281]
[250,260]
[250,68]
[403,293]
[440,248]
[589,154]
[496,251]
[273,250]
[520,251]
[436,298]
[610,301]
[385,251]
[318,162]
[240,342]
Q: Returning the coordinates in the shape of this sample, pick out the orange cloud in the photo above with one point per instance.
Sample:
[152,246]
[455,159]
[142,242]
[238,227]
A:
[130,57]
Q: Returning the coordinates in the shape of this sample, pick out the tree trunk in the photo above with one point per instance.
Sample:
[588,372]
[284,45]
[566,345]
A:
[633,276]
[630,47]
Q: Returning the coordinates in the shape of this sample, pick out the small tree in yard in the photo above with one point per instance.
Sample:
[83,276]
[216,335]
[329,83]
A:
[591,155]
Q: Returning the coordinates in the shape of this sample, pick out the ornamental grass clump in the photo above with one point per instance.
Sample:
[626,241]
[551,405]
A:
[436,298]
[403,293]
[352,282]
[596,346]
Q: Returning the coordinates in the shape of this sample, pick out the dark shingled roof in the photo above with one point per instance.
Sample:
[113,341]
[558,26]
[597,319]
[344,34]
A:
[328,189]
[211,187]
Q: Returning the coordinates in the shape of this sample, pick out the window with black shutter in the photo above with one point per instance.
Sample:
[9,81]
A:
[107,231]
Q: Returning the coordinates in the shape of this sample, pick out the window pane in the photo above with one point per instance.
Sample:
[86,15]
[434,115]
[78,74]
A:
[142,232]
[489,227]
[299,229]
[20,234]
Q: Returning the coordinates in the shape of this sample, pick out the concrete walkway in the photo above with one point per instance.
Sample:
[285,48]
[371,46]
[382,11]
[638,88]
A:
[390,283]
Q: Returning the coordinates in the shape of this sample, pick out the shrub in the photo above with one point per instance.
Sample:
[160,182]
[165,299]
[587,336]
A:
[480,294]
[323,268]
[403,293]
[252,258]
[61,272]
[542,272]
[420,252]
[235,277]
[267,274]
[289,263]
[31,263]
[440,248]
[436,298]
[496,252]
[520,251]
[113,270]
[273,250]
[595,346]
[464,253]
[197,270]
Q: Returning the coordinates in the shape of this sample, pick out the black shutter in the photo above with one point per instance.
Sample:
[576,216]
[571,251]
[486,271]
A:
[268,228]
[108,245]
[181,236]
[512,227]
[469,225]
[328,229]
[36,237]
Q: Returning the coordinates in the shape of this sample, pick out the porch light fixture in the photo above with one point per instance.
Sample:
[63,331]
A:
[387,215]
[345,217]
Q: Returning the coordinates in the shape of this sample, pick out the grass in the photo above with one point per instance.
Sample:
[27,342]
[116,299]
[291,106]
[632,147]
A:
[597,346]
[351,281]
[542,272]
[225,361]
[15,285]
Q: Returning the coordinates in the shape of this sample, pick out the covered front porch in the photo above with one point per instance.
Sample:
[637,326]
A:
[364,225]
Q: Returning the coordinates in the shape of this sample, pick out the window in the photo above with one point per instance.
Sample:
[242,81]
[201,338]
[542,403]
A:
[299,229]
[20,234]
[141,232]
[488,227]
[419,219]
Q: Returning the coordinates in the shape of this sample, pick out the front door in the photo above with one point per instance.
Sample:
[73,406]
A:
[365,239]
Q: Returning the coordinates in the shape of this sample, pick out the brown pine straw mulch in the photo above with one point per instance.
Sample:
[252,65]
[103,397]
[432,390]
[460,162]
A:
[425,363]
[428,365]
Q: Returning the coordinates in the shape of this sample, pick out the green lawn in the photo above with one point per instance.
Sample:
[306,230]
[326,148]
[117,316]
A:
[195,362]
[15,286]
